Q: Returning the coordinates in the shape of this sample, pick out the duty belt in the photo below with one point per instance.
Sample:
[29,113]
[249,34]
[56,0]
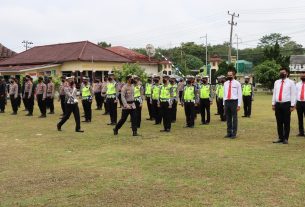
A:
[189,101]
[164,100]
[111,95]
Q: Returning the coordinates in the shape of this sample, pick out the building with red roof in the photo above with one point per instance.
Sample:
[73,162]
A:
[5,52]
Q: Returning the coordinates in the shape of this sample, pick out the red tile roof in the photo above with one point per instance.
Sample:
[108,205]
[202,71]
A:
[132,55]
[5,52]
[58,53]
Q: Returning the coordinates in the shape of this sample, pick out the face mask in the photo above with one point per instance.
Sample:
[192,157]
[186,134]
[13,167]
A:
[230,78]
[149,80]
[156,80]
[11,81]
[222,81]
[282,75]
[109,79]
[132,81]
[246,81]
[172,82]
[164,81]
[303,79]
[204,81]
[188,82]
[71,83]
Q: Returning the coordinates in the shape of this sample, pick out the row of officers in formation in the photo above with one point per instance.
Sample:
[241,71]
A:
[161,94]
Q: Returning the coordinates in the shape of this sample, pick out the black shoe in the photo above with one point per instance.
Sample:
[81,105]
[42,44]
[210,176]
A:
[29,115]
[51,112]
[217,114]
[135,134]
[228,136]
[191,126]
[111,124]
[244,116]
[79,130]
[14,113]
[157,123]
[278,141]
[165,130]
[285,141]
[300,135]
[233,137]
[58,128]
[115,131]
[174,121]
[42,116]
[248,116]
[203,123]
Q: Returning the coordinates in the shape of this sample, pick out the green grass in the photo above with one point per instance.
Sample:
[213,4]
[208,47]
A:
[187,167]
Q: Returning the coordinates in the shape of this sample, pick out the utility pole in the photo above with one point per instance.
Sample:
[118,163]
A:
[232,23]
[206,55]
[26,44]
[237,45]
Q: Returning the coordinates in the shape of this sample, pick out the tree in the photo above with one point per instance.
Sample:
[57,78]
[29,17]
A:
[274,53]
[128,69]
[271,39]
[267,73]
[104,44]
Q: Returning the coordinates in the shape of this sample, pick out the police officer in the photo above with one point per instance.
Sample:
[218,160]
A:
[112,99]
[28,95]
[62,96]
[189,101]
[41,95]
[197,84]
[220,95]
[13,93]
[103,92]
[3,94]
[22,92]
[205,95]
[138,98]
[155,95]
[50,95]
[216,95]
[174,98]
[97,89]
[71,106]
[148,87]
[87,100]
[248,94]
[165,103]
[128,108]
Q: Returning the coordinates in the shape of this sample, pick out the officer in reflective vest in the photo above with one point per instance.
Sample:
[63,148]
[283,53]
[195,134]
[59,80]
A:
[138,99]
[189,101]
[220,94]
[87,99]
[165,103]
[112,99]
[248,94]
[174,98]
[155,93]
[147,89]
[205,95]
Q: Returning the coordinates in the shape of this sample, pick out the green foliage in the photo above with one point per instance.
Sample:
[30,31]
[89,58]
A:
[272,39]
[274,53]
[104,44]
[267,73]
[128,69]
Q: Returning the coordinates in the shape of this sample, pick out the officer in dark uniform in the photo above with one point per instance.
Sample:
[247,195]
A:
[28,95]
[138,98]
[205,95]
[3,94]
[13,92]
[155,93]
[174,98]
[147,90]
[220,94]
[165,103]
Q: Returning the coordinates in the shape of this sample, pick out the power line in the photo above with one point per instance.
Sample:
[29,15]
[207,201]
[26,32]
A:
[26,44]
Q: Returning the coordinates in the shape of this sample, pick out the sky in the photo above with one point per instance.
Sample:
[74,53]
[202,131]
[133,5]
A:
[136,23]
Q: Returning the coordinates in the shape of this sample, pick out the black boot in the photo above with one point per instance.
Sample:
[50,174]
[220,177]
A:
[135,133]
[115,131]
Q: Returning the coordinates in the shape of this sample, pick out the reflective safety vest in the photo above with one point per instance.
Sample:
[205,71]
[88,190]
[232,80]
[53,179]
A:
[137,91]
[155,92]
[165,92]
[86,91]
[189,93]
[148,89]
[247,90]
[205,91]
[174,88]
[111,89]
[220,91]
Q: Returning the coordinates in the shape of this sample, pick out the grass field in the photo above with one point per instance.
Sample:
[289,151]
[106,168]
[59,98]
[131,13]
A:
[187,167]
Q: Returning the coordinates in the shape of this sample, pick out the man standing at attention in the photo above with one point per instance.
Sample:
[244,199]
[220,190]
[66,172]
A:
[232,101]
[301,103]
[283,102]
